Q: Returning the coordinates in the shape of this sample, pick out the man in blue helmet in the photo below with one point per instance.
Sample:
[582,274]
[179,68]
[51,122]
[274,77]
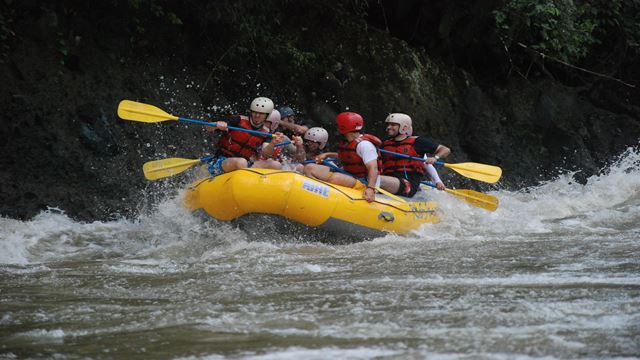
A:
[290,124]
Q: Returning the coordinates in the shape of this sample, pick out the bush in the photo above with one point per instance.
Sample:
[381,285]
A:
[557,28]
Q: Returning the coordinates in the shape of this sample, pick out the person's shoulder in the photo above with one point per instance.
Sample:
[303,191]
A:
[374,140]
[424,140]
[366,144]
[425,145]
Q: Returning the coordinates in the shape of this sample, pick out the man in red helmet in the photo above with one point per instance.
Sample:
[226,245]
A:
[402,176]
[358,154]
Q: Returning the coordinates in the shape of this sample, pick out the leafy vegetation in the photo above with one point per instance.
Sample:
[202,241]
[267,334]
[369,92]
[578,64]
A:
[156,9]
[568,30]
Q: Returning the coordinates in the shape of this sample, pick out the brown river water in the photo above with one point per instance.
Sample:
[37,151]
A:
[554,273]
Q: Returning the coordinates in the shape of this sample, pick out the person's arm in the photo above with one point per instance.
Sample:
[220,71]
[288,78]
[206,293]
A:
[222,124]
[295,128]
[442,151]
[369,192]
[323,156]
[269,146]
[369,154]
[435,178]
[424,145]
[300,155]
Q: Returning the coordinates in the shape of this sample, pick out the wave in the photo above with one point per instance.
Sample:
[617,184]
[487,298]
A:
[607,204]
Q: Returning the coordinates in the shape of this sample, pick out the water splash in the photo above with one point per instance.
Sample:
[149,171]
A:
[607,203]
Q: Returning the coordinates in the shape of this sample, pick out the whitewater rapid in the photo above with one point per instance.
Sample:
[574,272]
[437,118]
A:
[607,203]
[553,273]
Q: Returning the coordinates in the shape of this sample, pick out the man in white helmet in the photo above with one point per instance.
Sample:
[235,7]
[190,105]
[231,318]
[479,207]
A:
[310,145]
[239,149]
[402,176]
[314,141]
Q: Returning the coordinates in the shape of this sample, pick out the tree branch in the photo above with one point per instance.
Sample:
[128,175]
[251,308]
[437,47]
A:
[575,67]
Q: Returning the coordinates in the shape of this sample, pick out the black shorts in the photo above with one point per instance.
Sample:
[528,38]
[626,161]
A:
[412,181]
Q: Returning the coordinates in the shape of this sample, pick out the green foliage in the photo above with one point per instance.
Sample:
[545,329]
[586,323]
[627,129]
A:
[557,28]
[156,9]
[617,20]
[268,39]
[566,29]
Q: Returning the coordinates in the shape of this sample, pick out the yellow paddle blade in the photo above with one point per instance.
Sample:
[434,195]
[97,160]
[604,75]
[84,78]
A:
[487,173]
[477,199]
[159,169]
[131,110]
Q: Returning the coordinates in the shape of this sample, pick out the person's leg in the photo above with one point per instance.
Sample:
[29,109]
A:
[390,183]
[324,173]
[317,171]
[234,163]
[399,185]
[414,182]
[267,164]
[345,180]
[214,167]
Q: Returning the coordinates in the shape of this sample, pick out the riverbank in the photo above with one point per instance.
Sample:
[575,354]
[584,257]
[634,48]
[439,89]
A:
[65,67]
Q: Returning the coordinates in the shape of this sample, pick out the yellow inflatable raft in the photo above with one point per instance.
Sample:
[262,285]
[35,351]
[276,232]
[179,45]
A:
[307,201]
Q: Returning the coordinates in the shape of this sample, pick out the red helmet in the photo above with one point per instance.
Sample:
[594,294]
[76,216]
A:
[349,122]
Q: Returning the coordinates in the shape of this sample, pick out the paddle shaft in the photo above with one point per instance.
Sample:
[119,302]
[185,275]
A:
[440,163]
[214,124]
[136,111]
[482,172]
[429,184]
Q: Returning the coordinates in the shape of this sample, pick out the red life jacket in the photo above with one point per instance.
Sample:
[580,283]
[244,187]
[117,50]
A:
[351,161]
[234,143]
[394,164]
[275,155]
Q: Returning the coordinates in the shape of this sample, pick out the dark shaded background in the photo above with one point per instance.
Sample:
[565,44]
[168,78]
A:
[66,65]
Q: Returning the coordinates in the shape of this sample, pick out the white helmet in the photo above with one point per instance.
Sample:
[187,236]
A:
[317,134]
[274,120]
[262,105]
[403,120]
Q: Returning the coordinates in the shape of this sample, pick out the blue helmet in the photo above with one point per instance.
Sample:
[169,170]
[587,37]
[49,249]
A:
[285,111]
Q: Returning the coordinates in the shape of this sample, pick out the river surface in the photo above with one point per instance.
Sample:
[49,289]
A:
[554,273]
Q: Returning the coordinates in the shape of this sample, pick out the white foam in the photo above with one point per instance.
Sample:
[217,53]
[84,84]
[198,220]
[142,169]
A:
[606,205]
[607,202]
[520,280]
[296,353]
[43,335]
